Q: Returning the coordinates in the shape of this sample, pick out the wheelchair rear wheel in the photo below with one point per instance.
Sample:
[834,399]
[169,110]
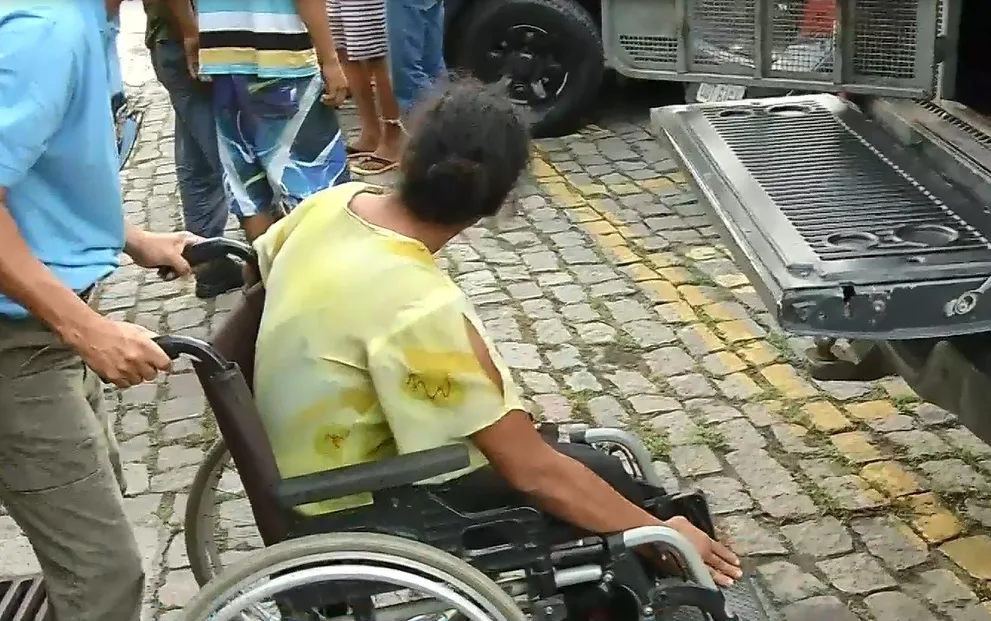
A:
[262,585]
[219,525]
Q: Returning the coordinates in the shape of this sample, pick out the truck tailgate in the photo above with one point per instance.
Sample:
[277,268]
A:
[844,230]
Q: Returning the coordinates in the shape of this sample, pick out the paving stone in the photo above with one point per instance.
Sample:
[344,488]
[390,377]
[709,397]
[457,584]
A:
[918,444]
[943,588]
[971,612]
[677,427]
[892,541]
[895,606]
[954,476]
[520,355]
[739,434]
[748,538]
[819,538]
[856,574]
[694,460]
[607,411]
[788,583]
[725,495]
[972,554]
[791,438]
[820,608]
[892,478]
[691,385]
[851,493]
[669,361]
[931,519]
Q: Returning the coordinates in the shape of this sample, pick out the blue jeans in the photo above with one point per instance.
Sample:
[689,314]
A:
[416,48]
[197,157]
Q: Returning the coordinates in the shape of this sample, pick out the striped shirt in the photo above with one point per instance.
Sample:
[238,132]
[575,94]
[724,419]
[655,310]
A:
[265,38]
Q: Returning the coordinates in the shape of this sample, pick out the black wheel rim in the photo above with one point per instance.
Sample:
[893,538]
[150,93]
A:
[528,61]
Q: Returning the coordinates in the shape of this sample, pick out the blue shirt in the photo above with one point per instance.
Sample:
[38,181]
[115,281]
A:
[58,157]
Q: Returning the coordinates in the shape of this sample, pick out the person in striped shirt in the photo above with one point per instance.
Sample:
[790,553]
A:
[276,84]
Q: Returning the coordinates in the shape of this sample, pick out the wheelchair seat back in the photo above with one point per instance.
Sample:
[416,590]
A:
[230,397]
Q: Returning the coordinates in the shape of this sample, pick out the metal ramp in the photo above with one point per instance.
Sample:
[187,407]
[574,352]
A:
[845,232]
[23,599]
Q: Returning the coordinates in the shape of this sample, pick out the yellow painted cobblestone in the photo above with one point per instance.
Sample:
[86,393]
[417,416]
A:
[891,478]
[730,362]
[676,275]
[599,227]
[871,410]
[856,447]
[758,353]
[694,295]
[707,337]
[663,259]
[731,281]
[972,554]
[784,378]
[736,331]
[678,312]
[640,272]
[661,291]
[931,519]
[825,417]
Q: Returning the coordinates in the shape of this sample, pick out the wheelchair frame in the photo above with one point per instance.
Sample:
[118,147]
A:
[609,562]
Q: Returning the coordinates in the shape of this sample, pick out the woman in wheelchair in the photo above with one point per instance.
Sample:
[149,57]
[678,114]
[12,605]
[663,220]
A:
[367,349]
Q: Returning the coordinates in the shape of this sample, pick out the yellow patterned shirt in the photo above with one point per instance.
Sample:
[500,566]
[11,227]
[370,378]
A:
[363,352]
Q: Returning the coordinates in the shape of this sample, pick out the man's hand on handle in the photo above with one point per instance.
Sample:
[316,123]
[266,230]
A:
[121,353]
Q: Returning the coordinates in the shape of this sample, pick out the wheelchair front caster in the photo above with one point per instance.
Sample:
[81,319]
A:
[672,593]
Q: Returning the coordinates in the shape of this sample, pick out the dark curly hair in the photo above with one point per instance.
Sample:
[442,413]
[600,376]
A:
[467,148]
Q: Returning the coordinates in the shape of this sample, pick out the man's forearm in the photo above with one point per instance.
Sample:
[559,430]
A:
[313,14]
[27,281]
[181,17]
[133,239]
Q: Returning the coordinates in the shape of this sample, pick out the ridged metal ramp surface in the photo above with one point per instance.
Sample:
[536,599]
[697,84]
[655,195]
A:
[23,599]
[843,231]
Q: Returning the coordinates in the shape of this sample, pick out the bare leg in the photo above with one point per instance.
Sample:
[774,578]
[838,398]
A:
[255,225]
[393,137]
[360,84]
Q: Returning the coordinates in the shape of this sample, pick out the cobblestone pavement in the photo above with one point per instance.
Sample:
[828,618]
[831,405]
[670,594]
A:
[614,303]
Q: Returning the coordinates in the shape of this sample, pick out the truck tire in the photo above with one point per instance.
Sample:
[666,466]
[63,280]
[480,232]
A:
[554,43]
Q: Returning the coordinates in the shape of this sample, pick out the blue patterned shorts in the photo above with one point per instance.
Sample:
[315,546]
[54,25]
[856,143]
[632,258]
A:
[278,143]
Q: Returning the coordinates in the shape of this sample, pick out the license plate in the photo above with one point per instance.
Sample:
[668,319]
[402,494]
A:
[720,92]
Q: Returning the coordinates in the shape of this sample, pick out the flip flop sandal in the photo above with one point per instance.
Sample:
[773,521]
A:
[352,151]
[379,165]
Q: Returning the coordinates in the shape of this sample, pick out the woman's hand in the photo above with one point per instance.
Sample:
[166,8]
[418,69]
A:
[722,563]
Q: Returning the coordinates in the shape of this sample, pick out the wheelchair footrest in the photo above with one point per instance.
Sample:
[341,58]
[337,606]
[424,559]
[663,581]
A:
[23,599]
[744,601]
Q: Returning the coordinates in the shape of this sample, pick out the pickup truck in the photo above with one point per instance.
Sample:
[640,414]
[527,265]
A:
[552,54]
[864,213]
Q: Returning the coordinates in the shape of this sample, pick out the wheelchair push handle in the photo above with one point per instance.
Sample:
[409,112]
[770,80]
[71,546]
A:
[202,352]
[213,249]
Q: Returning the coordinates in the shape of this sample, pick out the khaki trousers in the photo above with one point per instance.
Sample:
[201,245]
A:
[59,477]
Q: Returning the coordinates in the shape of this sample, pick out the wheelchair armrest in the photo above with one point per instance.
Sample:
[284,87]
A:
[371,477]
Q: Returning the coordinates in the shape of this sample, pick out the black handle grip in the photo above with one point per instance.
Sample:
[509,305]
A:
[212,249]
[203,352]
[577,436]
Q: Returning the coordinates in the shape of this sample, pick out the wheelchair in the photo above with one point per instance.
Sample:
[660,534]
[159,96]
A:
[362,563]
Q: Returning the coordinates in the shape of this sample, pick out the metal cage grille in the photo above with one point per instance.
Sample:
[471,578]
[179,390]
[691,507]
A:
[724,29]
[885,47]
[885,38]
